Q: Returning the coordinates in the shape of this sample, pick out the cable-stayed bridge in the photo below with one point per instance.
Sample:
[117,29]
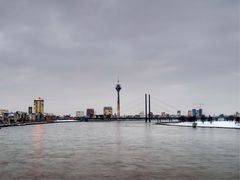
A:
[146,108]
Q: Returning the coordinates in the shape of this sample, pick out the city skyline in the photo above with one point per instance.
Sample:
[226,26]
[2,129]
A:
[72,53]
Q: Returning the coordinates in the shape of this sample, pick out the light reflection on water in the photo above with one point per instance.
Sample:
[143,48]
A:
[118,150]
[37,147]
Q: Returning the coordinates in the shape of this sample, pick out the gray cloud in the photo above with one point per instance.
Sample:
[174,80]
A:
[71,53]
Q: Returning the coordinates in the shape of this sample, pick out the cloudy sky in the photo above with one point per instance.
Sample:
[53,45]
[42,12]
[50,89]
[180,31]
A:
[71,53]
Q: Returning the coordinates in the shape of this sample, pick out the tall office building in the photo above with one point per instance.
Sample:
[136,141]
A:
[194,112]
[90,113]
[200,112]
[39,105]
[107,112]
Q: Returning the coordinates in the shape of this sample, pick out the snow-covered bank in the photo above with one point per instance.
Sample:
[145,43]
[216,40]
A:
[214,124]
[59,121]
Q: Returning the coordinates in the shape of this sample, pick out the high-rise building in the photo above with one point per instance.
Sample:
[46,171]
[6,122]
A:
[107,111]
[39,105]
[90,113]
[200,112]
[194,112]
[118,88]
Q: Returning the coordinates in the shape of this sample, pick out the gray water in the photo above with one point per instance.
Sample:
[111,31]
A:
[118,150]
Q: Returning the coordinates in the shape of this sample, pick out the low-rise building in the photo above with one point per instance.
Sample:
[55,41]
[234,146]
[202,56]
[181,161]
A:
[142,114]
[3,111]
[79,114]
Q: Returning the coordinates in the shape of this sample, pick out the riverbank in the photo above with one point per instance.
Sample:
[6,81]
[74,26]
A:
[214,124]
[61,121]
[22,124]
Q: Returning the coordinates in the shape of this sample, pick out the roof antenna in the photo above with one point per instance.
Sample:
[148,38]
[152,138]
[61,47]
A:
[118,79]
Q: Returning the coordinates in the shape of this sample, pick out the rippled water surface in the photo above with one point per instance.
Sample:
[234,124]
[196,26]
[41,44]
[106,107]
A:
[118,150]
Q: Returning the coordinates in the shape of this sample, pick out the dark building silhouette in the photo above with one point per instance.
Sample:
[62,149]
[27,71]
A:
[30,110]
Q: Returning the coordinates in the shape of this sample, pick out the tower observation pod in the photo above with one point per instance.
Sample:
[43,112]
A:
[118,88]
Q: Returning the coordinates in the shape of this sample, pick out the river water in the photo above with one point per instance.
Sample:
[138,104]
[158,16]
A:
[118,150]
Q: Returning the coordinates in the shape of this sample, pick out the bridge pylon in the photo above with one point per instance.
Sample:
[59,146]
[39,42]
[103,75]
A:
[147,107]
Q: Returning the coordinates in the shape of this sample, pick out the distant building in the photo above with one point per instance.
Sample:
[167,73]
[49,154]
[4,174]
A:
[189,113]
[39,105]
[178,113]
[194,112]
[221,117]
[142,114]
[237,114]
[79,113]
[32,117]
[200,112]
[90,113]
[30,110]
[107,112]
[3,111]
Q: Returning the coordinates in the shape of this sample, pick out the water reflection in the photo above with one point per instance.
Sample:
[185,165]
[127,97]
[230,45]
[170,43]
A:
[37,147]
[118,133]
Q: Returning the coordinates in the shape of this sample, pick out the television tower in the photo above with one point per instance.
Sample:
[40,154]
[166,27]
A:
[118,88]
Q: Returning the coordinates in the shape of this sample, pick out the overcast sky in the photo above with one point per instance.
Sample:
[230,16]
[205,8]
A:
[71,53]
